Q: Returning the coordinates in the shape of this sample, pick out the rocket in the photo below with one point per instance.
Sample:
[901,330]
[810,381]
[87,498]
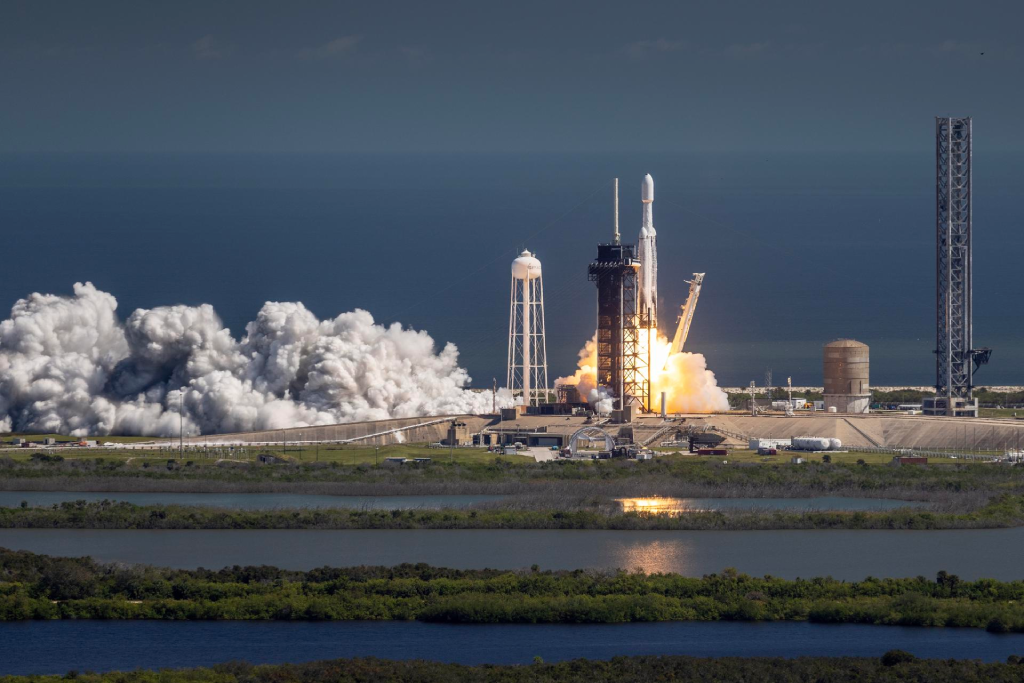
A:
[648,255]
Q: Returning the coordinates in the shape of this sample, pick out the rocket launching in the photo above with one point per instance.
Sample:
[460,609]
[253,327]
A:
[647,252]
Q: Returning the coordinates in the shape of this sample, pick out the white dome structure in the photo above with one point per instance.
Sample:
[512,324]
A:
[527,266]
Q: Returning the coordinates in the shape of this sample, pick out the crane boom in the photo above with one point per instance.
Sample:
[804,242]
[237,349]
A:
[686,317]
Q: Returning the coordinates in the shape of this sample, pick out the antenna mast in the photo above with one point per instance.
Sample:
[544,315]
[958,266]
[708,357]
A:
[616,211]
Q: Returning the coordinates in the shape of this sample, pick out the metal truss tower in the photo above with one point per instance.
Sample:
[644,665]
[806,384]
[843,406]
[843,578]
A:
[954,337]
[527,348]
[620,368]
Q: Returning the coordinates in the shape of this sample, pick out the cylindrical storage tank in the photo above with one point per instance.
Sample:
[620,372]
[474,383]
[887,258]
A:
[834,444]
[846,370]
[811,443]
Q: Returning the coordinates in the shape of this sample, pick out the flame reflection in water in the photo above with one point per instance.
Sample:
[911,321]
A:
[654,557]
[658,505]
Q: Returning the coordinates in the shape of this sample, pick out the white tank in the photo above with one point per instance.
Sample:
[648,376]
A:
[526,267]
[811,443]
[835,444]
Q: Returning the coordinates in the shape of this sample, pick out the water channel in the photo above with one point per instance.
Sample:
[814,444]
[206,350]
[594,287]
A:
[844,554]
[46,647]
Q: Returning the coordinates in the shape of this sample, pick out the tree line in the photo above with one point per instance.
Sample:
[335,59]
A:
[893,667]
[41,587]
[1006,510]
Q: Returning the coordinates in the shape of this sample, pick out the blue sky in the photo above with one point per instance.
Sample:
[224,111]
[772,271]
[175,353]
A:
[496,77]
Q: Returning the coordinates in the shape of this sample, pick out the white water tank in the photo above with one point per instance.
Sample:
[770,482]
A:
[526,267]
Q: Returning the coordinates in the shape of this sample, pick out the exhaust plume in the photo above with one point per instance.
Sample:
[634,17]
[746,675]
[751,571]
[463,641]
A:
[68,365]
[688,384]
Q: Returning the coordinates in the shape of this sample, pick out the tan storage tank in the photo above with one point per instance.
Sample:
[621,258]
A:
[846,366]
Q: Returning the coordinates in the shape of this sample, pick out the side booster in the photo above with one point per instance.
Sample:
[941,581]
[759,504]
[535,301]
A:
[647,252]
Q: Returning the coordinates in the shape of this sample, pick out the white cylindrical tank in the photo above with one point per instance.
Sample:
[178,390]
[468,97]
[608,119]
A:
[811,443]
[835,444]
[526,267]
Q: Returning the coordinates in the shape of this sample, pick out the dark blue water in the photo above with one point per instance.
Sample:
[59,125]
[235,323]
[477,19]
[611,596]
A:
[43,647]
[798,249]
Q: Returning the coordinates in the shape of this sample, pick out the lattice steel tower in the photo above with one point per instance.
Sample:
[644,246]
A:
[527,348]
[620,368]
[955,356]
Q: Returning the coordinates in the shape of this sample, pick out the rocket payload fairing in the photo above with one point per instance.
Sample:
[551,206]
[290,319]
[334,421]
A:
[648,255]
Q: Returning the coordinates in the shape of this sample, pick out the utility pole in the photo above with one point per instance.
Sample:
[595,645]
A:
[376,451]
[181,426]
[318,450]
[451,445]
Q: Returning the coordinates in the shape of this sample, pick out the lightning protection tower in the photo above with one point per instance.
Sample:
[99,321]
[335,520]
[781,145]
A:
[955,357]
[620,368]
[527,349]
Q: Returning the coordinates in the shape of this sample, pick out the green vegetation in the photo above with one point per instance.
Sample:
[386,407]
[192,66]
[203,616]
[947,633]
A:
[143,457]
[955,487]
[893,667]
[1006,510]
[41,587]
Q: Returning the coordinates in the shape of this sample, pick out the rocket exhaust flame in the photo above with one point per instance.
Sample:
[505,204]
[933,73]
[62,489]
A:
[684,377]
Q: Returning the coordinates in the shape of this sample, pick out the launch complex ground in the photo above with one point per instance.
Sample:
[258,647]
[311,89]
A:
[543,434]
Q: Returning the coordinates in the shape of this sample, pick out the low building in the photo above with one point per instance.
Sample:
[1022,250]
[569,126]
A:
[900,460]
[458,435]
[950,407]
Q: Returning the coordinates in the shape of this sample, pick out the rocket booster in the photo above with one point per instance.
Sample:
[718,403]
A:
[648,255]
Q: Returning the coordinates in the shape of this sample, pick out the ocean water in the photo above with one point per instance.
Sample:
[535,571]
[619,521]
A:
[798,250]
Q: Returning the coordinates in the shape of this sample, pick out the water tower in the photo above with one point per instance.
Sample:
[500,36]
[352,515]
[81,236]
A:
[527,351]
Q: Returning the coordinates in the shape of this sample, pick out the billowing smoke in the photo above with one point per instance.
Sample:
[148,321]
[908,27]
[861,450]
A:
[684,377]
[68,365]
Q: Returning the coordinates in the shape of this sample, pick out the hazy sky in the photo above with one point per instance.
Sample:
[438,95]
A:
[517,76]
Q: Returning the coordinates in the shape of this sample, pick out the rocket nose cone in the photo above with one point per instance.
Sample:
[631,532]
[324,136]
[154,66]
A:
[647,192]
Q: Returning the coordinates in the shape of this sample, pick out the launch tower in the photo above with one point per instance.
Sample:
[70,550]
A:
[616,271]
[955,356]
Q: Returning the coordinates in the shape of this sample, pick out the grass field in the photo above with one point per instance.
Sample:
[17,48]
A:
[346,455]
[1001,412]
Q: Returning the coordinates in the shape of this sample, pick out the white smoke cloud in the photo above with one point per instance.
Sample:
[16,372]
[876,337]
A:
[68,365]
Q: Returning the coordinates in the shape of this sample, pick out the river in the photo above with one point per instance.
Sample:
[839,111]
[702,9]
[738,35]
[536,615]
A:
[848,555]
[44,647]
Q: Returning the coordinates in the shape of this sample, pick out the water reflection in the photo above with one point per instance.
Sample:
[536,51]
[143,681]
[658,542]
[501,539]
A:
[654,557]
[676,506]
